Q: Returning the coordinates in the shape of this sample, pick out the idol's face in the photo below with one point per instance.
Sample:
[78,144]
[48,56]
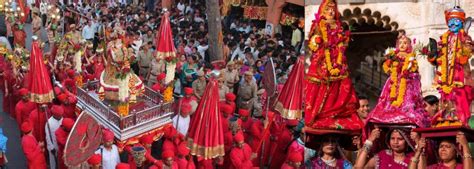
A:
[403,44]
[455,25]
[330,11]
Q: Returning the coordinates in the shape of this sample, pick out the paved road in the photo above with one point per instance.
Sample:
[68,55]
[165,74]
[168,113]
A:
[15,154]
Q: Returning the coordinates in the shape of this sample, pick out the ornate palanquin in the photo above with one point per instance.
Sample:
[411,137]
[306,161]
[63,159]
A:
[150,114]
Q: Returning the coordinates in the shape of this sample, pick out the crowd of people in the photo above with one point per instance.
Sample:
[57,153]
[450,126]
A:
[79,55]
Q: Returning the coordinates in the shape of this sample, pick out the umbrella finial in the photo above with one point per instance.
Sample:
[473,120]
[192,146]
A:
[164,10]
[34,37]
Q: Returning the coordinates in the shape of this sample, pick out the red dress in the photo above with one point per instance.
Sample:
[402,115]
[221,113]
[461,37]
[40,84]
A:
[331,101]
[283,141]
[98,68]
[33,153]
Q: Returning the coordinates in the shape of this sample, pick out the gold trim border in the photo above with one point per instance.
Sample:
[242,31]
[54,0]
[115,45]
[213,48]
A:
[331,79]
[42,98]
[287,113]
[165,54]
[205,152]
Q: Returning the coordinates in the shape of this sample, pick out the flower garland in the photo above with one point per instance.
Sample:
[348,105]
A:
[446,82]
[391,66]
[330,67]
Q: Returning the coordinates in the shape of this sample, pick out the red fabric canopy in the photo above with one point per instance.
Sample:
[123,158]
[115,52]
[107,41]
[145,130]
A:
[39,82]
[206,135]
[164,39]
[290,100]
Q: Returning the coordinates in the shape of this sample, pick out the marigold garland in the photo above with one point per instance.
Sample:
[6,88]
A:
[446,82]
[392,68]
[168,94]
[330,67]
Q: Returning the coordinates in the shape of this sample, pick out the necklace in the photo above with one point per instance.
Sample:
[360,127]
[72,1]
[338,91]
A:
[329,162]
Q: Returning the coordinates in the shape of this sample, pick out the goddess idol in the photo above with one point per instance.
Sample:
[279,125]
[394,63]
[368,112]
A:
[452,70]
[117,81]
[401,101]
[331,102]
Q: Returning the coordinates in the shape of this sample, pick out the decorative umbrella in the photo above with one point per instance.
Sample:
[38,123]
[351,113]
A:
[205,135]
[165,48]
[39,79]
[39,84]
[290,100]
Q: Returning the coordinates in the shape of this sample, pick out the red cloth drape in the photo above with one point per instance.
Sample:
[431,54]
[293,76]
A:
[205,135]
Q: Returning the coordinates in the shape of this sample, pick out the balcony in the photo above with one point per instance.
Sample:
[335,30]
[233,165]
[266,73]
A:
[150,112]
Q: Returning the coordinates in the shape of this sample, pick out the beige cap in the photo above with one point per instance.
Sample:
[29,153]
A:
[249,73]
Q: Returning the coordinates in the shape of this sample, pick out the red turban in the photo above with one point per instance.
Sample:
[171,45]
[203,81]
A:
[188,91]
[170,132]
[94,159]
[108,135]
[68,123]
[57,91]
[292,123]
[57,110]
[26,127]
[183,149]
[167,154]
[227,109]
[230,97]
[146,139]
[243,112]
[62,98]
[239,137]
[161,76]
[23,91]
[122,166]
[295,157]
[71,73]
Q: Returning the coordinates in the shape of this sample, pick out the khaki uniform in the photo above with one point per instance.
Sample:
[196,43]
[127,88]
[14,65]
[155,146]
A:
[155,69]
[230,78]
[199,87]
[246,95]
[223,90]
[144,60]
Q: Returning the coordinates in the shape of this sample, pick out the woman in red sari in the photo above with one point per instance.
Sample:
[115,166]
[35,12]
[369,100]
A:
[331,101]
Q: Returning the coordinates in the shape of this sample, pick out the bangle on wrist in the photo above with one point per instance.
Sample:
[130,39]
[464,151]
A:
[367,145]
[467,156]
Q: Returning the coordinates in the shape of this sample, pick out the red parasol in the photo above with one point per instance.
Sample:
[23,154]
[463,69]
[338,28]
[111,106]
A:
[290,100]
[39,79]
[164,39]
[205,135]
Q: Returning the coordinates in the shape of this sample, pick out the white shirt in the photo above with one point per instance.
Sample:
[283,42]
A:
[183,124]
[53,126]
[88,32]
[202,50]
[109,158]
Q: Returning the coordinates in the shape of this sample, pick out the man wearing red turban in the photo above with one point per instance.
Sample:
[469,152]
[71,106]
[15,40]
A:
[168,160]
[184,160]
[283,139]
[24,107]
[32,149]
[294,161]
[94,161]
[230,100]
[241,154]
[181,120]
[61,137]
[172,139]
[54,123]
[68,103]
[189,99]
[247,122]
[109,151]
